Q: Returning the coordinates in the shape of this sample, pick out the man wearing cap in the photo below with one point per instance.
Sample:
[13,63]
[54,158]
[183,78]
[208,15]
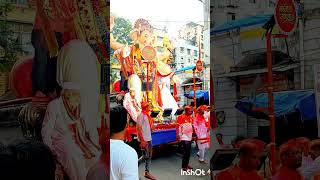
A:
[202,133]
[290,156]
[66,134]
[246,169]
[144,128]
[185,134]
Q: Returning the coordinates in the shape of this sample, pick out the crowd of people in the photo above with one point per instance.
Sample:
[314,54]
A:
[69,131]
[189,128]
[296,159]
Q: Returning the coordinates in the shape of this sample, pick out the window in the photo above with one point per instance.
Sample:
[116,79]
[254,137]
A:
[181,50]
[272,4]
[188,51]
[252,1]
[231,17]
[19,2]
[22,2]
[1,52]
[22,32]
[26,43]
[195,52]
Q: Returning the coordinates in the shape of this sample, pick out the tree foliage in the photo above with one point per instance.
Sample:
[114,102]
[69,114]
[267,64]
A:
[120,32]
[9,43]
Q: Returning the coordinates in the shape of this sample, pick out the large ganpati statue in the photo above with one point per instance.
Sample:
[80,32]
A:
[141,59]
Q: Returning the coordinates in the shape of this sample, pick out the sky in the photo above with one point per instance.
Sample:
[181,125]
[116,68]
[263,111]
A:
[176,12]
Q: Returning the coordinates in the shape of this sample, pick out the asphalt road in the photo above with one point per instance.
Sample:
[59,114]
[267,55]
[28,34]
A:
[166,165]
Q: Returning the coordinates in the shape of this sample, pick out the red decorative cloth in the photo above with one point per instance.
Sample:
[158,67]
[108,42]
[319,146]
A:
[129,132]
[175,92]
[285,173]
[20,78]
[116,86]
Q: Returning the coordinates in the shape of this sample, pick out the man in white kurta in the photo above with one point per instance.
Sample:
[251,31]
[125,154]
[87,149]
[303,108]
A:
[67,136]
[201,131]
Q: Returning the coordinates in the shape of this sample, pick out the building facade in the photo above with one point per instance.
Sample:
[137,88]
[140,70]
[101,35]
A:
[239,56]
[20,21]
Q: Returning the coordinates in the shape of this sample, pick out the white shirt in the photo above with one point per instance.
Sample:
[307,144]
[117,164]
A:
[185,132]
[309,167]
[123,161]
[145,126]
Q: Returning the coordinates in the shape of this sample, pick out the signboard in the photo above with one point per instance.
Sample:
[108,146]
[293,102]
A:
[199,65]
[286,16]
[316,69]
[148,53]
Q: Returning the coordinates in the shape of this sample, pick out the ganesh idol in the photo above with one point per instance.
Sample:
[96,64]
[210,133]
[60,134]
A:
[153,68]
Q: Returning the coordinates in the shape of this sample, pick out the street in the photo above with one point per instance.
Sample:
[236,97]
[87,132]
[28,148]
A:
[167,165]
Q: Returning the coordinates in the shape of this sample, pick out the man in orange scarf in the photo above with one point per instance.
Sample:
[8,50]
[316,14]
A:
[202,133]
[144,129]
[185,134]
[246,169]
[291,157]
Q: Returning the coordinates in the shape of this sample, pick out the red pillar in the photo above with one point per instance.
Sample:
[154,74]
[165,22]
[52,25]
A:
[147,87]
[271,103]
[194,91]
[213,123]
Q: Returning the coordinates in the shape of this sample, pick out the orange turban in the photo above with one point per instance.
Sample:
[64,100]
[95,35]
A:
[289,146]
[258,144]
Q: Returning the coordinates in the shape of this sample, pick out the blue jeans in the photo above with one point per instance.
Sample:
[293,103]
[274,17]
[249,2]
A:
[147,155]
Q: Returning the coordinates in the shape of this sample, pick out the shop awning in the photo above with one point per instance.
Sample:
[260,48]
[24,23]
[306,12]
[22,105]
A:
[245,22]
[285,102]
[281,68]
[199,94]
[185,69]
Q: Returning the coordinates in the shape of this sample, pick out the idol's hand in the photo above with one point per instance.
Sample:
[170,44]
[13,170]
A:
[111,23]
[118,53]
